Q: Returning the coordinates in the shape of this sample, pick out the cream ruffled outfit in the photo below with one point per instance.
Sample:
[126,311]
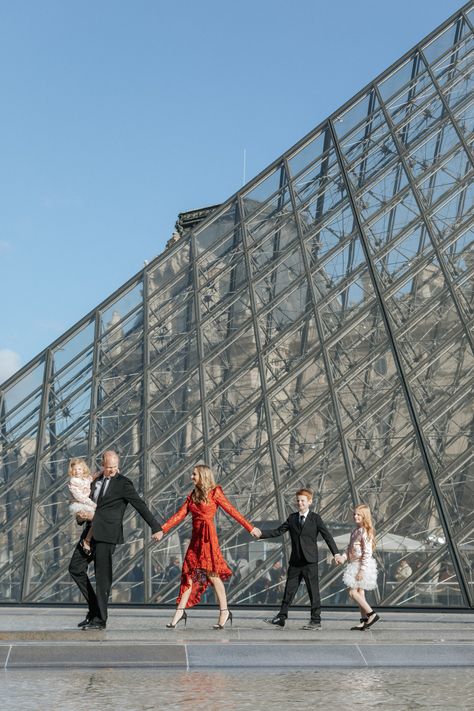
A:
[360,560]
[80,489]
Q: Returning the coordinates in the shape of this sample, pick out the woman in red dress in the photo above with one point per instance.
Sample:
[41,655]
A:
[203,562]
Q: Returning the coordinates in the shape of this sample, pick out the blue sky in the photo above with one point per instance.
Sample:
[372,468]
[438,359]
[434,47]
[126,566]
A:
[117,115]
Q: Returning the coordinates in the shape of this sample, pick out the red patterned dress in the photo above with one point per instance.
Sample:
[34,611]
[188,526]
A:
[204,556]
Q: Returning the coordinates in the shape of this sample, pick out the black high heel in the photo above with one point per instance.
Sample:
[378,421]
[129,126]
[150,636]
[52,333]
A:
[363,621]
[184,617]
[229,617]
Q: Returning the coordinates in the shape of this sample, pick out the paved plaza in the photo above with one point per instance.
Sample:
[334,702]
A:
[49,638]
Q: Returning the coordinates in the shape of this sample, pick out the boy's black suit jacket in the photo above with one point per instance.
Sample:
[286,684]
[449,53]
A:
[107,523]
[304,547]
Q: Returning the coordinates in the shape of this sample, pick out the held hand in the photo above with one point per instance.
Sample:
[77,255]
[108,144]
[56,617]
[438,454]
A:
[338,559]
[83,516]
[255,532]
[158,536]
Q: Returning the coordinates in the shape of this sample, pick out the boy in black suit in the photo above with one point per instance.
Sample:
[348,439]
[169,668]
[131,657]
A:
[304,527]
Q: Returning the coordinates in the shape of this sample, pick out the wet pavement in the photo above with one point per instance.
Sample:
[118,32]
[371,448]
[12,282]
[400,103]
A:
[236,690]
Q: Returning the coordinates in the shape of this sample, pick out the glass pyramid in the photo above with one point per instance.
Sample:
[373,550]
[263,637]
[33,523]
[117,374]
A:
[314,330]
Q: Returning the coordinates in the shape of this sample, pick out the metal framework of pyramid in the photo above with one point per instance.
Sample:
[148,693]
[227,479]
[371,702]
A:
[315,330]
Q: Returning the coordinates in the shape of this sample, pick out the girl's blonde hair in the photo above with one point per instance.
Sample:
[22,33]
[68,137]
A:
[76,460]
[364,511]
[204,485]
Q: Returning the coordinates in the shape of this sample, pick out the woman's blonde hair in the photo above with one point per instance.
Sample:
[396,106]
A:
[364,511]
[76,460]
[204,485]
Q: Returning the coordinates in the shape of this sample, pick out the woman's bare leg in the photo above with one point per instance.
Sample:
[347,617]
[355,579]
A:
[182,604]
[221,596]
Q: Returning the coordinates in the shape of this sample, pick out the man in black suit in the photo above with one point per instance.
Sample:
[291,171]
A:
[304,527]
[112,492]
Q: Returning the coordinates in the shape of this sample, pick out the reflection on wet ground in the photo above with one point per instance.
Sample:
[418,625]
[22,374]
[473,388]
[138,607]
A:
[233,690]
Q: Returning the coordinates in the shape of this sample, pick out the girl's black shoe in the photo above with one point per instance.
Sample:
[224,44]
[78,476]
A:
[363,621]
[372,619]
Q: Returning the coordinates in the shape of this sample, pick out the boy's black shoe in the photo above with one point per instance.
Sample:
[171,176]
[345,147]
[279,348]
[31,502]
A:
[276,621]
[312,626]
[84,622]
[94,625]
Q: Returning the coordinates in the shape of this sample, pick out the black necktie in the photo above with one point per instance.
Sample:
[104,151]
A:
[102,489]
[301,520]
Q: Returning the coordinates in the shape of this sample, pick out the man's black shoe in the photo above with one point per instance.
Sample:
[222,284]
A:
[84,622]
[276,621]
[94,625]
[312,626]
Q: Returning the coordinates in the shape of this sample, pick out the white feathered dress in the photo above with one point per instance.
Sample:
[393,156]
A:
[80,488]
[360,560]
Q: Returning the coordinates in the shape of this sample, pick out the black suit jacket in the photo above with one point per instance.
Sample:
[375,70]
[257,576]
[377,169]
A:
[304,545]
[107,522]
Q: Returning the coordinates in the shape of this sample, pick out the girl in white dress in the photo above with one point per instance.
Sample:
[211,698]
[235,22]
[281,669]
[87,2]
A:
[79,485]
[361,570]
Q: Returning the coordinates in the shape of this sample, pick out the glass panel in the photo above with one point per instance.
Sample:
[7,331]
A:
[23,391]
[11,577]
[167,329]
[282,314]
[402,77]
[459,254]
[225,255]
[444,41]
[422,121]
[290,349]
[440,183]
[126,303]
[299,393]
[169,266]
[69,350]
[168,411]
[287,271]
[310,152]
[465,119]
[238,394]
[224,325]
[454,212]
[357,342]
[214,229]
[267,187]
[404,253]
[335,230]
[235,356]
[378,431]
[13,537]
[432,150]
[223,286]
[416,293]
[273,246]
[369,380]
[459,76]
[314,182]
[448,370]
[347,303]
[170,370]
[449,437]
[364,113]
[306,449]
